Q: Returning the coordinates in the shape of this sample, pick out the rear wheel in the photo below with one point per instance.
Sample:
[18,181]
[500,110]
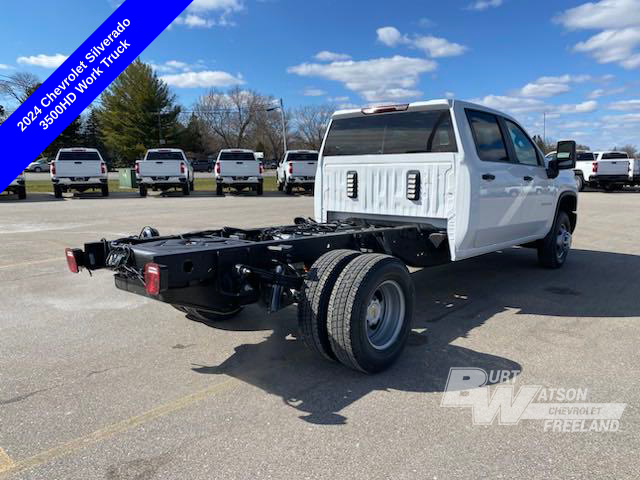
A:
[280,186]
[57,191]
[579,183]
[143,190]
[22,193]
[37,170]
[260,189]
[609,187]
[314,300]
[370,311]
[554,248]
[219,190]
[186,190]
[288,188]
[105,190]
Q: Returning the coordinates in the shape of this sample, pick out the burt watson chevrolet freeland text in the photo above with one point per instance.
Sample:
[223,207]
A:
[83,75]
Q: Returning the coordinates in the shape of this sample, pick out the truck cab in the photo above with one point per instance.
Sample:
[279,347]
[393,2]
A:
[164,169]
[79,169]
[466,170]
[297,169]
[238,169]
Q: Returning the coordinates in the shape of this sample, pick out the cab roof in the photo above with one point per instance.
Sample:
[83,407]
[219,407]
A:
[78,149]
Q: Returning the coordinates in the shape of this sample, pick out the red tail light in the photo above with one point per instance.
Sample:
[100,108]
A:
[261,168]
[72,263]
[137,168]
[152,273]
[53,168]
[183,169]
[595,167]
[218,168]
[290,168]
[103,168]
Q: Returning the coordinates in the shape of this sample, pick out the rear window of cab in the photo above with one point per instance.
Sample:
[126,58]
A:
[392,133]
[239,156]
[165,156]
[79,156]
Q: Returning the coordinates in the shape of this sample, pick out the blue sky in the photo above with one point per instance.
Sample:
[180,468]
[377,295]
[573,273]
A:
[579,62]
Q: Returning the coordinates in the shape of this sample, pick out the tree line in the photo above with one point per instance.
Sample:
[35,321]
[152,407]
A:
[138,112]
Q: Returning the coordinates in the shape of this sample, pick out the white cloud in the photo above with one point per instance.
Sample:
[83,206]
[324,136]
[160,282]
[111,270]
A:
[175,66]
[342,99]
[327,56]
[625,105]
[619,38]
[314,92]
[434,47]
[205,79]
[480,5]
[192,20]
[601,92]
[44,61]
[626,118]
[449,94]
[550,86]
[377,79]
[199,13]
[520,105]
[5,67]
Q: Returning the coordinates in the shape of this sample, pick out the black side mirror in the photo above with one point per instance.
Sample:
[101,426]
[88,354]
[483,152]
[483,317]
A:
[565,158]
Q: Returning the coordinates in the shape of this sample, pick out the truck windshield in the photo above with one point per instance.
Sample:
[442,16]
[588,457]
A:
[407,132]
[79,156]
[165,156]
[239,156]
[585,157]
[302,157]
[614,156]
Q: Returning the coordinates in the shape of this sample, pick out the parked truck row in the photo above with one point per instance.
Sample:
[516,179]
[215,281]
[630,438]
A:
[416,185]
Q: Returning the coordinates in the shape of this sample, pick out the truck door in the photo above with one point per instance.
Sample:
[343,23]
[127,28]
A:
[497,198]
[538,191]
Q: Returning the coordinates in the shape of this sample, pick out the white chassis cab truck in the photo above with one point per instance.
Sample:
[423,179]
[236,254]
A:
[606,170]
[405,185]
[164,169]
[18,187]
[238,169]
[79,169]
[297,169]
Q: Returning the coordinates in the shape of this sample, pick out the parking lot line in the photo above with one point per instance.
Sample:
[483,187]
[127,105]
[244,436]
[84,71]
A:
[27,264]
[9,467]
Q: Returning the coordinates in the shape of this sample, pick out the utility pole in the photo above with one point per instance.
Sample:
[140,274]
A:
[544,128]
[284,126]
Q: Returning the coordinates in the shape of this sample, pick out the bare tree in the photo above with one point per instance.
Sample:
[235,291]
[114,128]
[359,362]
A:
[19,86]
[631,150]
[311,124]
[230,116]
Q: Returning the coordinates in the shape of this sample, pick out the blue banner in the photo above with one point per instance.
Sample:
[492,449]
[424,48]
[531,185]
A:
[81,79]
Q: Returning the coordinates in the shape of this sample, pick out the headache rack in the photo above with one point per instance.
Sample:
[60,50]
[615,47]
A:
[220,270]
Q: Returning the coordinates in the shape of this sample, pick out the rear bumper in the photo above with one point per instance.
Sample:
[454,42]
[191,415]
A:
[609,178]
[72,182]
[301,180]
[239,181]
[163,181]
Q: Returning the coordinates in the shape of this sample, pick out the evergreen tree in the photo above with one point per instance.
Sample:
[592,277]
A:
[137,112]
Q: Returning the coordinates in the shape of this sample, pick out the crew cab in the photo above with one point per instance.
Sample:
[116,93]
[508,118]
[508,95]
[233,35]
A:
[238,169]
[164,169]
[607,170]
[416,185]
[297,169]
[17,187]
[79,169]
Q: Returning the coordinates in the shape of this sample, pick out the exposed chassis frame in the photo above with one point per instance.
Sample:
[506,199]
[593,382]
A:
[218,271]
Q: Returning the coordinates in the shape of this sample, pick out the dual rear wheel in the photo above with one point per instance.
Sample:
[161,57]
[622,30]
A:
[357,309]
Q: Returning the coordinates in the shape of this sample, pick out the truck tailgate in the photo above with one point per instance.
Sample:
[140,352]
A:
[78,168]
[613,167]
[304,169]
[160,168]
[239,168]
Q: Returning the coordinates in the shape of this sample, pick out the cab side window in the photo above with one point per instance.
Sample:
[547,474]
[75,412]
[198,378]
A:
[487,136]
[526,153]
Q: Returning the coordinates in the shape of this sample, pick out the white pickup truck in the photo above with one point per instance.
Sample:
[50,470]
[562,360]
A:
[238,169]
[79,169]
[164,169]
[17,187]
[297,169]
[414,185]
[607,170]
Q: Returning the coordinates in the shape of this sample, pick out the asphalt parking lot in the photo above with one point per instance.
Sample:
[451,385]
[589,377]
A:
[100,384]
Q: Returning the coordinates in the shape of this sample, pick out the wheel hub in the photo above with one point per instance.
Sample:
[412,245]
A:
[385,315]
[563,242]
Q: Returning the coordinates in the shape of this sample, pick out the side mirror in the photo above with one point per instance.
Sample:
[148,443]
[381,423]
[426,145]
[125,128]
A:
[566,155]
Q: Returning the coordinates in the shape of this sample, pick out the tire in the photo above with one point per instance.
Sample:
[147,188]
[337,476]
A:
[554,248]
[37,170]
[22,193]
[219,190]
[193,185]
[208,317]
[609,187]
[579,183]
[259,189]
[186,191]
[314,300]
[371,285]
[57,191]
[143,190]
[288,188]
[280,186]
[105,190]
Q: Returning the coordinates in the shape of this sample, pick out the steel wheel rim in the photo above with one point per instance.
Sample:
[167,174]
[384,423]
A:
[385,315]
[563,242]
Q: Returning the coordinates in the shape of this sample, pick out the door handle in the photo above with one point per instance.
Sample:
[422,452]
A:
[78,163]
[528,179]
[488,176]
